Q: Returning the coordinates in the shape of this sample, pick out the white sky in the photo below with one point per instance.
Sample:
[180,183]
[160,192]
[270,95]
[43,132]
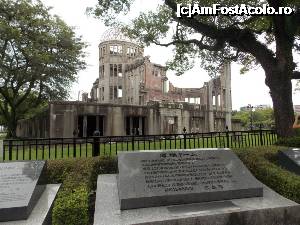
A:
[246,89]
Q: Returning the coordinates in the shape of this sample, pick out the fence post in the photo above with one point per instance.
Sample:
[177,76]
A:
[74,147]
[2,149]
[227,139]
[260,135]
[132,142]
[184,138]
[96,147]
[10,150]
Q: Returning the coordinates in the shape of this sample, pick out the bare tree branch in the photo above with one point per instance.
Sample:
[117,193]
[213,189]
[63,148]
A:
[5,95]
[199,44]
[296,75]
[3,111]
[242,39]
[28,91]
[3,49]
[233,58]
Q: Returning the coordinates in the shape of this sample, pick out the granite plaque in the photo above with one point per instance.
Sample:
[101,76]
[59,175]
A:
[158,178]
[21,185]
[290,159]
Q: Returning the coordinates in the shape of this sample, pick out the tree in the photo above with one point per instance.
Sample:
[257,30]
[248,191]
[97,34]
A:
[268,41]
[40,57]
[260,117]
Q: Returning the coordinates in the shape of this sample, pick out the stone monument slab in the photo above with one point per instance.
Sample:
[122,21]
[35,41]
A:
[290,159]
[160,178]
[41,213]
[21,185]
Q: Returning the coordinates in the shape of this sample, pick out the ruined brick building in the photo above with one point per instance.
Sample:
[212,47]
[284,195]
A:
[132,95]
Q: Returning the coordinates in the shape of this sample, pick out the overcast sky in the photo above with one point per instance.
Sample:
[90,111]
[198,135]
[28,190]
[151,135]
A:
[246,89]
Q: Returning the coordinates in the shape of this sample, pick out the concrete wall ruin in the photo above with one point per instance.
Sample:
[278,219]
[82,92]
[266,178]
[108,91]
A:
[117,120]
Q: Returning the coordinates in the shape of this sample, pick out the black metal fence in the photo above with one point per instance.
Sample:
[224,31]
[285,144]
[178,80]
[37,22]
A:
[57,148]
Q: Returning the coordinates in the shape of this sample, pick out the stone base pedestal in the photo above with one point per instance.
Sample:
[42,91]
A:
[271,209]
[41,213]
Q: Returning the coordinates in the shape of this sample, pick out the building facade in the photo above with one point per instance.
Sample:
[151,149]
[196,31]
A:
[132,96]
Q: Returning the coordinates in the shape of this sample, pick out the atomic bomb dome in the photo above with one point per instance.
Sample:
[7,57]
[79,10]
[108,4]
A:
[115,34]
[133,96]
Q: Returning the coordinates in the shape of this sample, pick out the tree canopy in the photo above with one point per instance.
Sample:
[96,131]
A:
[40,57]
[259,118]
[268,41]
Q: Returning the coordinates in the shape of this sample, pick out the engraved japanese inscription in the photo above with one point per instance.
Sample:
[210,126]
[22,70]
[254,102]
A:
[184,171]
[155,178]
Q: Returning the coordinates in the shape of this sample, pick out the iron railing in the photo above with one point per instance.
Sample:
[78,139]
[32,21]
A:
[57,148]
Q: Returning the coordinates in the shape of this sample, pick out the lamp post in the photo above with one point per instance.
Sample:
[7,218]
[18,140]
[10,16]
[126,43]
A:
[250,107]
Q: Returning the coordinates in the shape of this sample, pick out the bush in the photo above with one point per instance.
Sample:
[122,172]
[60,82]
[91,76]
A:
[71,207]
[263,163]
[74,204]
[290,142]
[297,132]
[58,170]
[103,165]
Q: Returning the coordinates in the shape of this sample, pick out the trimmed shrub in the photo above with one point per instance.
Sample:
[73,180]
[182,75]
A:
[71,207]
[263,163]
[74,204]
[290,142]
[103,165]
[58,170]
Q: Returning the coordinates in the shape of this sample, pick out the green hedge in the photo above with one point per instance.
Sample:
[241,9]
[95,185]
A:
[290,142]
[74,204]
[102,166]
[263,163]
[72,207]
[71,204]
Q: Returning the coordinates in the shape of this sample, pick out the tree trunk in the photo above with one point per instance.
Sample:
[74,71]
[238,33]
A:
[12,125]
[12,130]
[281,93]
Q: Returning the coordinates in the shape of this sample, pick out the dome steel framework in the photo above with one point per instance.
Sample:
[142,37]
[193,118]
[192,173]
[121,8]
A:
[115,34]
